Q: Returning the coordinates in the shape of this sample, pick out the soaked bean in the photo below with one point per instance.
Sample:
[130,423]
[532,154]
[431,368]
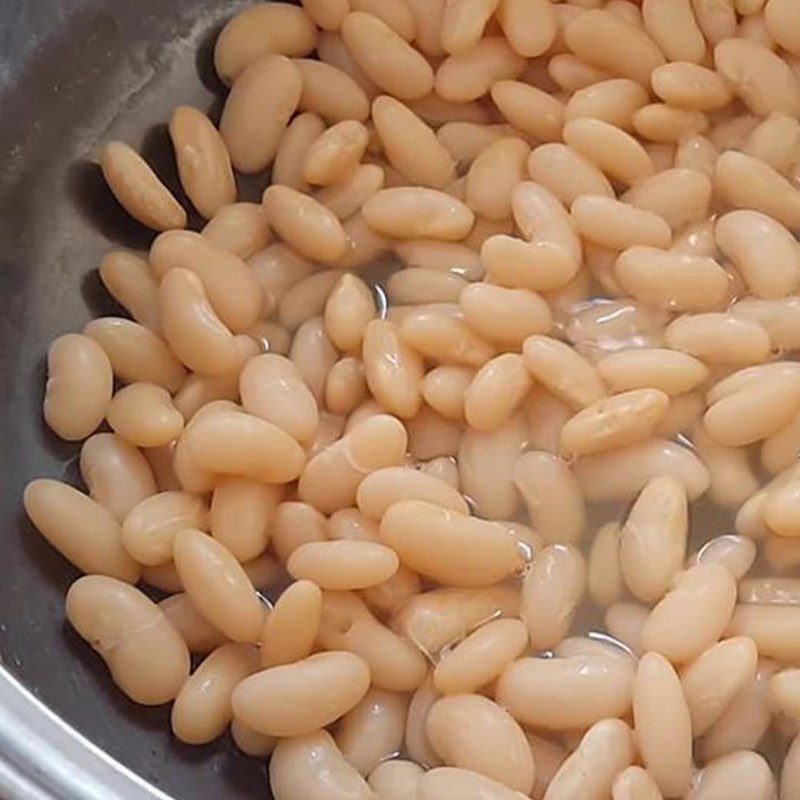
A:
[738,775]
[567,173]
[255,114]
[625,621]
[347,197]
[760,78]
[635,783]
[451,783]
[441,256]
[204,165]
[529,110]
[551,594]
[653,541]
[565,693]
[690,86]
[672,281]
[330,92]
[719,338]
[138,189]
[614,101]
[697,153]
[410,145]
[422,533]
[345,386]
[571,74]
[468,76]
[198,633]
[418,213]
[746,182]
[301,133]
[416,286]
[117,475]
[343,565]
[396,780]
[373,730]
[251,742]
[472,732]
[662,123]
[776,141]
[335,154]
[202,709]
[128,630]
[672,372]
[307,298]
[143,414]
[130,281]
[754,412]
[331,478]
[259,30]
[732,478]
[604,573]
[79,528]
[735,553]
[493,176]
[135,353]
[240,229]
[496,391]
[529,27]
[289,631]
[272,388]
[231,442]
[662,724]
[463,23]
[481,657]
[242,511]
[349,309]
[445,339]
[386,58]
[676,628]
[679,195]
[605,750]
[616,225]
[715,678]
[771,628]
[311,767]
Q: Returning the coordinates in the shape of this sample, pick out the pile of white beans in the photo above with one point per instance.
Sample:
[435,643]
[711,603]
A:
[586,212]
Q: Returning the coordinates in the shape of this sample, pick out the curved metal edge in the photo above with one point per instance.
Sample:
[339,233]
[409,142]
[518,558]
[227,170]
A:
[43,758]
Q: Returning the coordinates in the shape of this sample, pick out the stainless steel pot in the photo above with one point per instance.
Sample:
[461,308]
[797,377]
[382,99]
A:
[73,73]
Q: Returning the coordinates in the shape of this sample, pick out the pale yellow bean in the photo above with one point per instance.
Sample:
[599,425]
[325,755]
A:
[452,783]
[345,198]
[348,311]
[117,475]
[551,593]
[343,565]
[778,317]
[493,176]
[749,239]
[373,730]
[697,153]
[259,30]
[250,742]
[330,92]
[495,392]
[384,487]
[606,749]
[277,269]
[746,182]
[396,779]
[563,371]
[240,229]
[624,621]
[537,114]
[306,298]
[717,338]
[448,257]
[662,724]
[605,41]
[672,372]
[418,213]
[530,27]
[139,190]
[413,285]
[135,353]
[330,479]
[272,388]
[464,140]
[740,775]
[614,101]
[79,528]
[679,195]
[754,412]
[311,767]
[691,86]
[143,414]
[463,23]
[761,79]
[345,386]
[424,536]
[242,511]
[202,709]
[653,541]
[335,154]
[386,58]
[717,20]
[472,732]
[672,281]
[131,282]
[198,633]
[204,165]
[604,573]
[635,783]
[301,133]
[664,124]
[571,74]
[560,694]
[567,173]
[715,678]
[481,657]
[290,629]
[616,225]
[732,478]
[673,28]
[347,624]
[258,109]
[693,615]
[781,19]
[146,656]
[614,422]
[444,339]
[396,14]
[305,224]
[555,507]
[735,553]
[776,141]
[444,388]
